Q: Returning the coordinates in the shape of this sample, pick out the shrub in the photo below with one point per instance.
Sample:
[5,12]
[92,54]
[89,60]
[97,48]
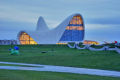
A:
[118,46]
[80,44]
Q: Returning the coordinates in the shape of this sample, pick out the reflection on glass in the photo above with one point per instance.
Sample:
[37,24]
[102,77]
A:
[26,39]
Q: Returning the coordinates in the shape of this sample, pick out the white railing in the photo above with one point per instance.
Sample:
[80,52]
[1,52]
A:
[93,49]
[80,47]
[71,46]
[117,49]
[111,49]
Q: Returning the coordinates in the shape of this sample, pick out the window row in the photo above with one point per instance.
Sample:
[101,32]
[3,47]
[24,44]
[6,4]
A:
[77,17]
[68,38]
[74,28]
[62,43]
[76,21]
[27,42]
[72,35]
[90,42]
[26,39]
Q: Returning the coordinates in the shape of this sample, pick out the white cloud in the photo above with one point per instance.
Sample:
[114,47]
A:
[101,26]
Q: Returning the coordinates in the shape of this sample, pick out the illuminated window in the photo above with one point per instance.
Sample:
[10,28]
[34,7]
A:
[90,42]
[67,28]
[74,31]
[26,39]
[62,43]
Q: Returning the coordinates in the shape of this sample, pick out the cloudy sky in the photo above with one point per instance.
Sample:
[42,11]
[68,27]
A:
[101,17]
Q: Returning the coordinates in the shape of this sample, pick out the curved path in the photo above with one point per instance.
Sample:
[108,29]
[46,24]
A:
[38,67]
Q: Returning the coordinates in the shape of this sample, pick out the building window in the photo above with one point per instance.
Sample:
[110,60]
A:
[90,42]
[26,39]
[74,31]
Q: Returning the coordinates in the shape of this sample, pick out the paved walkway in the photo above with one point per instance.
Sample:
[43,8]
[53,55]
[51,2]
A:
[38,67]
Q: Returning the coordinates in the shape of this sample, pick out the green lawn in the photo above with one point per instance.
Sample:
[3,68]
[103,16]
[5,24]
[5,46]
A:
[62,55]
[38,75]
[97,47]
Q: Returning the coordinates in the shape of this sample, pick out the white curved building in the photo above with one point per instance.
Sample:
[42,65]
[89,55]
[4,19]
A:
[70,30]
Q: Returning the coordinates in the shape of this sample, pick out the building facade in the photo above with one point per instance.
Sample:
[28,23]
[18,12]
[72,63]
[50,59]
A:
[8,42]
[72,29]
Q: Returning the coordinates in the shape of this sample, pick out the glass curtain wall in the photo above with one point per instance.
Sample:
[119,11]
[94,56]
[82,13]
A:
[74,30]
[90,42]
[26,39]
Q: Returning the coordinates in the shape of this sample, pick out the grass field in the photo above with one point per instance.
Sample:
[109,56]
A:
[62,55]
[37,75]
[97,47]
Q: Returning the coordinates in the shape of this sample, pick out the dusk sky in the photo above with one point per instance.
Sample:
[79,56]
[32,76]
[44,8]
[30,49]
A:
[101,17]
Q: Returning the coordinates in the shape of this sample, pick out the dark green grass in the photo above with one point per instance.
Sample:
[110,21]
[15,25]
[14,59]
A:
[35,75]
[71,43]
[97,47]
[64,56]
[118,47]
[81,46]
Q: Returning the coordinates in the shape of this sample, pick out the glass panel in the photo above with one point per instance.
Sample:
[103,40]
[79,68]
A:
[74,17]
[81,22]
[31,42]
[74,31]
[21,38]
[74,21]
[31,38]
[67,28]
[78,21]
[84,42]
[71,21]
[24,33]
[90,42]
[22,42]
[26,42]
[26,39]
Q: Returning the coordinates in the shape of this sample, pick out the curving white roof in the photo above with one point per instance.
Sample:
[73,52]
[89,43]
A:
[41,25]
[43,35]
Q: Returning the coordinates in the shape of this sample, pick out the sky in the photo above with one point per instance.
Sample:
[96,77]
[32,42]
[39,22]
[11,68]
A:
[101,17]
